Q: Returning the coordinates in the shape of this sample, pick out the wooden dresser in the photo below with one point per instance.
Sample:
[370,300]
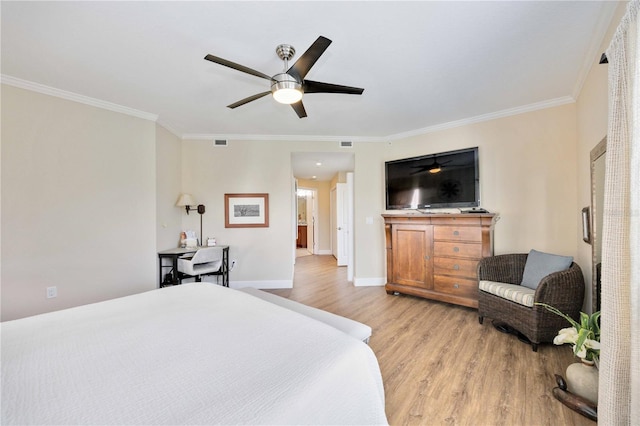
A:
[435,256]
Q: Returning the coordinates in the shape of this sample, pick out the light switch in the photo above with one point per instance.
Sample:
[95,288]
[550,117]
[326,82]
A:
[369,220]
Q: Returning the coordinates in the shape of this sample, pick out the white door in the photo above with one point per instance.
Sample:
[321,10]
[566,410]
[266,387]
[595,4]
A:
[332,223]
[294,219]
[310,222]
[342,224]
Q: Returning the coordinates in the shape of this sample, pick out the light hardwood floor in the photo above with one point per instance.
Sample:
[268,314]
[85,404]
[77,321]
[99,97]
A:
[439,365]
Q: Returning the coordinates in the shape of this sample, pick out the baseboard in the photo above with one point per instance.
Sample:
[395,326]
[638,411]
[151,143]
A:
[369,282]
[266,284]
[324,252]
[276,284]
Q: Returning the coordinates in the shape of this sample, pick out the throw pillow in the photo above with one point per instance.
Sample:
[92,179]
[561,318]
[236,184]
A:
[540,264]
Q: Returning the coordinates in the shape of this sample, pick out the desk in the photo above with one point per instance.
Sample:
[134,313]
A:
[175,253]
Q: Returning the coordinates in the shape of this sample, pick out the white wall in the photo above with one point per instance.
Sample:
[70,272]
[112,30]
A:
[78,203]
[79,189]
[527,175]
[527,172]
[262,254]
[168,188]
[592,115]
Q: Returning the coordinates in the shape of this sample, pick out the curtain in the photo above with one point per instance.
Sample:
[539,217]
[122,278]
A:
[619,389]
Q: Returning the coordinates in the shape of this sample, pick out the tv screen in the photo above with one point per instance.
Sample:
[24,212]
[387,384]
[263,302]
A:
[448,179]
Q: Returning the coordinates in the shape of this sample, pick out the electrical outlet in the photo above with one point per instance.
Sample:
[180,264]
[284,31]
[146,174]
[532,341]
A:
[52,292]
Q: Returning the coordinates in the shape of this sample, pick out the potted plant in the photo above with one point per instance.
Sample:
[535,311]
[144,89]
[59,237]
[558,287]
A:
[584,336]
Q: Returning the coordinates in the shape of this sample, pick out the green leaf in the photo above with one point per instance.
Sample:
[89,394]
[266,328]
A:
[583,333]
[595,325]
[584,320]
[557,312]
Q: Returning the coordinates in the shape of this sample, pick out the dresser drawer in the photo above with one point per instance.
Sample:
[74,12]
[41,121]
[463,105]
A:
[457,233]
[446,249]
[456,267]
[456,220]
[455,286]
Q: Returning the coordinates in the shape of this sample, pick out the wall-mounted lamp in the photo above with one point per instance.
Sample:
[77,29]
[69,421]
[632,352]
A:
[186,201]
[201,211]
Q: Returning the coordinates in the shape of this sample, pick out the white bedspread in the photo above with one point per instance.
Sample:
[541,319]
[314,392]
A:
[191,354]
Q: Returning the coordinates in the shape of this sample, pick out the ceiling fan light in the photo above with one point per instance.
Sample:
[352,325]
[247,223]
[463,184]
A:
[286,95]
[286,89]
[435,170]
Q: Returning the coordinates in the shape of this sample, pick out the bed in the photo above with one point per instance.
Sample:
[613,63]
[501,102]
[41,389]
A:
[196,353]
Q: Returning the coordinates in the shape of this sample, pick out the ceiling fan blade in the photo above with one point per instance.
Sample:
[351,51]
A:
[302,66]
[309,86]
[235,66]
[249,99]
[299,109]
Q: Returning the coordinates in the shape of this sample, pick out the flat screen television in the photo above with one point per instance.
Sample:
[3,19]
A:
[445,180]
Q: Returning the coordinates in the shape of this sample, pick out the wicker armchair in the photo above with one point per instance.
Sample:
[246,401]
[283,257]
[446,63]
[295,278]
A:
[563,290]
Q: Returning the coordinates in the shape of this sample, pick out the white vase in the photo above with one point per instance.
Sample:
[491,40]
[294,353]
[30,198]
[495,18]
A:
[582,380]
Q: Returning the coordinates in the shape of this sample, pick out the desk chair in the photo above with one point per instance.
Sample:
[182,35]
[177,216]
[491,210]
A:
[205,261]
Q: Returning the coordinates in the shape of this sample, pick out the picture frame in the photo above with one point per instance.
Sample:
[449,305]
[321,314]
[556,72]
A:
[246,210]
[586,225]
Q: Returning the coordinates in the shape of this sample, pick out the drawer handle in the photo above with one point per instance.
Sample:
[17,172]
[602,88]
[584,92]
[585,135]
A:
[456,267]
[456,233]
[456,249]
[426,257]
[456,285]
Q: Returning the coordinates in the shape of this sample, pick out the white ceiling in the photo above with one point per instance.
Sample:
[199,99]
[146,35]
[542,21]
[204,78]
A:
[305,164]
[423,65]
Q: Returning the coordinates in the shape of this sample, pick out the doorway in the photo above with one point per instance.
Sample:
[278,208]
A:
[322,171]
[306,216]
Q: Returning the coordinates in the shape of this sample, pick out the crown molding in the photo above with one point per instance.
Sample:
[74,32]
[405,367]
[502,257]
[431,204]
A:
[398,136]
[70,96]
[484,117]
[281,138]
[41,88]
[607,12]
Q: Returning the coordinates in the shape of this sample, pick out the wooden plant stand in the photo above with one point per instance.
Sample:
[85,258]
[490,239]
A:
[575,402]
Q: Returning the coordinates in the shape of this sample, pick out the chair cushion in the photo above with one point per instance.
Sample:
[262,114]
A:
[540,264]
[514,292]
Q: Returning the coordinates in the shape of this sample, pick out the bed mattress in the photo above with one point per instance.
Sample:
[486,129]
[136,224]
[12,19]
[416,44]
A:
[191,354]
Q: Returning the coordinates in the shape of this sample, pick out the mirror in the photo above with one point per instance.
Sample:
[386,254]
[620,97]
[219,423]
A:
[597,204]
[302,209]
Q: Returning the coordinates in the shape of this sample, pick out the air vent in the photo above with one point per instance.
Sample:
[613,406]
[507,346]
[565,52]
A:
[220,142]
[346,144]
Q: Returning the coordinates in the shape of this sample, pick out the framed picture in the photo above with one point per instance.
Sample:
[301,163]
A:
[586,225]
[246,210]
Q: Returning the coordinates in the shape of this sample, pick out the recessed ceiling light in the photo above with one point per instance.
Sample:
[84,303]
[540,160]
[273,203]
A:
[314,177]
[318,163]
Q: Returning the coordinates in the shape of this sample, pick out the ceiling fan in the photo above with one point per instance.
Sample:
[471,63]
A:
[433,168]
[288,86]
